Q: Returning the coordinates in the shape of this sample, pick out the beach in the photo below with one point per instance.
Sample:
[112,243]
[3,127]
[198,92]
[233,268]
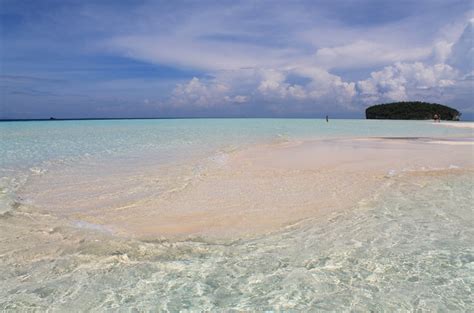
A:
[248,192]
[251,214]
[458,124]
[236,156]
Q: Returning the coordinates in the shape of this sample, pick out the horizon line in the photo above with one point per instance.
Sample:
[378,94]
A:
[187,118]
[160,118]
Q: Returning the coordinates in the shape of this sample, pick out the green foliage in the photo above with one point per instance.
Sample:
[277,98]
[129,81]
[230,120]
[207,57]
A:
[413,110]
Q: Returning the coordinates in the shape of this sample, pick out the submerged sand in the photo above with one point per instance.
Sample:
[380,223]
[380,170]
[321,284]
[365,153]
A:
[244,193]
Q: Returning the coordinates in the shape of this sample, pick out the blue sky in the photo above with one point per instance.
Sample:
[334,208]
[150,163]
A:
[231,58]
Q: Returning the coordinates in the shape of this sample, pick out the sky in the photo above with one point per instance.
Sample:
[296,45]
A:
[86,59]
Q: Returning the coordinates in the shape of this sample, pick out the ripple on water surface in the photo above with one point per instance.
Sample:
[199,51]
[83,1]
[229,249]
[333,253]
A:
[410,248]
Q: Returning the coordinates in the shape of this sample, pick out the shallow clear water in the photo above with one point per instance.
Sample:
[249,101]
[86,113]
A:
[25,144]
[408,247]
[31,148]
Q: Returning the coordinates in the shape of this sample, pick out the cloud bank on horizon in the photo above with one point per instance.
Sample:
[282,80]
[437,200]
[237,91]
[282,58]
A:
[227,58]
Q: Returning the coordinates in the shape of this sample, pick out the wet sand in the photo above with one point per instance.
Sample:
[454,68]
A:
[245,193]
[457,124]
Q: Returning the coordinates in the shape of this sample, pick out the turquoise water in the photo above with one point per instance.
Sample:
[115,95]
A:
[408,247]
[29,148]
[25,144]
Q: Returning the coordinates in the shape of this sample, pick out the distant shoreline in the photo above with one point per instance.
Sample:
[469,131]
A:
[163,118]
[206,117]
[463,124]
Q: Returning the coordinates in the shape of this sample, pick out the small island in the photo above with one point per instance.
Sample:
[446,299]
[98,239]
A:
[413,110]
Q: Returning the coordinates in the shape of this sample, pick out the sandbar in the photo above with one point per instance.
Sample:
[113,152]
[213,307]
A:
[249,192]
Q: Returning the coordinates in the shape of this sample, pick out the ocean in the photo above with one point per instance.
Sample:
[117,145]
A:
[70,192]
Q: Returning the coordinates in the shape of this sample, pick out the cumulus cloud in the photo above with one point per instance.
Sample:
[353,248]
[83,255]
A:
[444,67]
[403,81]
[297,56]
[320,84]
[270,87]
[204,94]
[397,82]
[273,84]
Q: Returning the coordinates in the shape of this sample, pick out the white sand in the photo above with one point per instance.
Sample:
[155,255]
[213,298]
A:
[255,191]
[469,125]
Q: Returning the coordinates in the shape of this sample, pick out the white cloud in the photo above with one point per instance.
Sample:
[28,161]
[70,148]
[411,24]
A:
[236,99]
[266,87]
[321,84]
[462,54]
[272,86]
[197,93]
[325,85]
[362,53]
[198,54]
[253,51]
[441,51]
[231,37]
[399,81]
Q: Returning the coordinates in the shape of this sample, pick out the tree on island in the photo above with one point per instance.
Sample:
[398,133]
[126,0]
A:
[411,110]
